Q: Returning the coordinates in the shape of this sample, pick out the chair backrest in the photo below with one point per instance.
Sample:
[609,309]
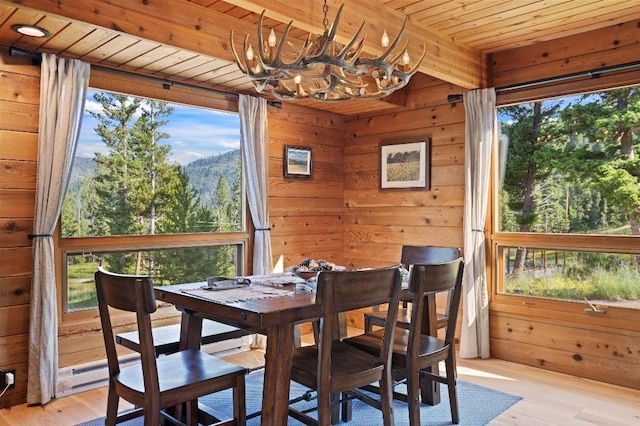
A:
[428,254]
[129,293]
[348,290]
[430,279]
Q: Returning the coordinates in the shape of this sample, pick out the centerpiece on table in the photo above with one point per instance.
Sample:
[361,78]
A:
[309,268]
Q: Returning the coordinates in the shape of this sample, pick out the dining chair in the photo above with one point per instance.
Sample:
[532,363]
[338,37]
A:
[331,367]
[414,350]
[409,256]
[156,384]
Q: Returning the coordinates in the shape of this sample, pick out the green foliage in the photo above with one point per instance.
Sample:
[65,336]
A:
[132,189]
[571,165]
[598,284]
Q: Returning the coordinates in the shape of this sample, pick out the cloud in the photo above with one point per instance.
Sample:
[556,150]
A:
[193,132]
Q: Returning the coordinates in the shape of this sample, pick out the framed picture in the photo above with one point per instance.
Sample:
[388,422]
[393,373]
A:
[405,164]
[297,161]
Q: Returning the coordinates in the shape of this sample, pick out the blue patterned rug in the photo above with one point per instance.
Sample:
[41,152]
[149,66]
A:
[478,406]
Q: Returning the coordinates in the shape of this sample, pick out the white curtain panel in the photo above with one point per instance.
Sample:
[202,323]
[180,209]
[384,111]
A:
[480,127]
[63,87]
[255,148]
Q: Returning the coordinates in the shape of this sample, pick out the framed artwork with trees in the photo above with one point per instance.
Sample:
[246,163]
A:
[405,165]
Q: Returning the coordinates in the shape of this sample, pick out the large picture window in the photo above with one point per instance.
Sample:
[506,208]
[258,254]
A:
[160,177]
[568,198]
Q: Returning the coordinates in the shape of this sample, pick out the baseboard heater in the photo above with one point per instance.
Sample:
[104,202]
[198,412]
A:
[84,377]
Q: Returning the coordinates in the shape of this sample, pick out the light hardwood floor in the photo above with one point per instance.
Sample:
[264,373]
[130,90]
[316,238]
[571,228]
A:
[548,398]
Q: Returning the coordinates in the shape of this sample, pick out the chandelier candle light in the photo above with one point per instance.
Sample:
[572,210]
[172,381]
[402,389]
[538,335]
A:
[323,69]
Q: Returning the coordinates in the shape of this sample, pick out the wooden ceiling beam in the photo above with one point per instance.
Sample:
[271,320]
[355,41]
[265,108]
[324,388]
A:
[195,28]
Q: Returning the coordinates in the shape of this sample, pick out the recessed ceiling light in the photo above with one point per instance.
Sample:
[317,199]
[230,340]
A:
[30,30]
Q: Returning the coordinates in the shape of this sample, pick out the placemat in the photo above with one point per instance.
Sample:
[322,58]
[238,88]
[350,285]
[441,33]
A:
[251,292]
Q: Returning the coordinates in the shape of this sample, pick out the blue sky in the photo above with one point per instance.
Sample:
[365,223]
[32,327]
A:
[194,132]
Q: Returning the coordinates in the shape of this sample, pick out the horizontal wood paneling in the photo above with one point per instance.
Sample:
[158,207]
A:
[18,145]
[583,52]
[13,232]
[14,347]
[18,117]
[17,203]
[306,214]
[19,103]
[14,320]
[15,291]
[15,262]
[17,174]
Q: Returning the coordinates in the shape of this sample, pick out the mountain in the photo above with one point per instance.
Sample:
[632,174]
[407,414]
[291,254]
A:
[205,172]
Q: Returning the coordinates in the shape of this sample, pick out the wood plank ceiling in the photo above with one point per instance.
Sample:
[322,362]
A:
[188,41]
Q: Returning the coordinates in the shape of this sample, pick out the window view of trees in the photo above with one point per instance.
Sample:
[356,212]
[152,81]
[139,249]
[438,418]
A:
[569,166]
[132,185]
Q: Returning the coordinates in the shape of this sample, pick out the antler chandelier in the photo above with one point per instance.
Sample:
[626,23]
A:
[323,69]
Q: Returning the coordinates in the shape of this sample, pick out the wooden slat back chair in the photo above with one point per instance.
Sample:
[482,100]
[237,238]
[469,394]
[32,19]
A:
[414,350]
[168,381]
[332,367]
[409,256]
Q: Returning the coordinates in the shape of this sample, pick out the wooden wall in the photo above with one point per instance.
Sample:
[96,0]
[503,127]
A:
[19,100]
[306,215]
[378,222]
[604,348]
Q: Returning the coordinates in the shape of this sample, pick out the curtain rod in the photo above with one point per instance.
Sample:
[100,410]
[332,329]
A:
[166,84]
[595,73]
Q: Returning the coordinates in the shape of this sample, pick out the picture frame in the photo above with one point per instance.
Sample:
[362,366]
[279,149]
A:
[298,161]
[406,164]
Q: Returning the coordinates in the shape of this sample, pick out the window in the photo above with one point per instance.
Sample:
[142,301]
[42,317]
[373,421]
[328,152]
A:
[568,199]
[156,189]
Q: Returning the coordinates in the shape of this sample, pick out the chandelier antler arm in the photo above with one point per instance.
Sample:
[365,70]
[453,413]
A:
[242,63]
[276,63]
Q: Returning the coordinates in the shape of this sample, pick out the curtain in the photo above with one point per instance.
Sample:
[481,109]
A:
[63,87]
[255,150]
[480,126]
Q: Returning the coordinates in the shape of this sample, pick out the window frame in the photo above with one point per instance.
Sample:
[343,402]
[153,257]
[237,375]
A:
[498,240]
[150,88]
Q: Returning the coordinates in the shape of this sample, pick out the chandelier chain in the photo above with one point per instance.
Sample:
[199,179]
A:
[325,21]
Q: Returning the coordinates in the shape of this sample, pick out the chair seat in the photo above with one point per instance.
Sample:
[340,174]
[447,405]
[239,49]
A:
[404,318]
[355,362]
[370,342]
[181,369]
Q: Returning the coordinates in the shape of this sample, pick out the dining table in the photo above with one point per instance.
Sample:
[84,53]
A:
[271,305]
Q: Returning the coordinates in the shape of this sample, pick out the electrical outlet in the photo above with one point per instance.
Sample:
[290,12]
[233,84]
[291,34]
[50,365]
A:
[3,379]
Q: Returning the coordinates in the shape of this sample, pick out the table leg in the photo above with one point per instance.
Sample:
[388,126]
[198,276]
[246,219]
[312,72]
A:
[277,374]
[190,331]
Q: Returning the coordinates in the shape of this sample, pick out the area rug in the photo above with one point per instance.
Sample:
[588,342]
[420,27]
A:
[478,406]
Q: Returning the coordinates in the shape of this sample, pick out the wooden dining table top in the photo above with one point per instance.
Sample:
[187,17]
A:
[291,305]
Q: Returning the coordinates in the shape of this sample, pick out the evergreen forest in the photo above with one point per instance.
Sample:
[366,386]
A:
[570,166]
[134,189]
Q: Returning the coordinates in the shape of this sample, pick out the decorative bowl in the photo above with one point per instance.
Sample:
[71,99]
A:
[306,275]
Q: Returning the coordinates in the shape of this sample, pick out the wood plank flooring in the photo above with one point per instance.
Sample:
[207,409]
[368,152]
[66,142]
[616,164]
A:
[548,398]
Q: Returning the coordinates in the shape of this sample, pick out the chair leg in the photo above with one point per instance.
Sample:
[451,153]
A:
[112,408]
[239,402]
[450,365]
[335,408]
[347,406]
[415,381]
[386,399]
